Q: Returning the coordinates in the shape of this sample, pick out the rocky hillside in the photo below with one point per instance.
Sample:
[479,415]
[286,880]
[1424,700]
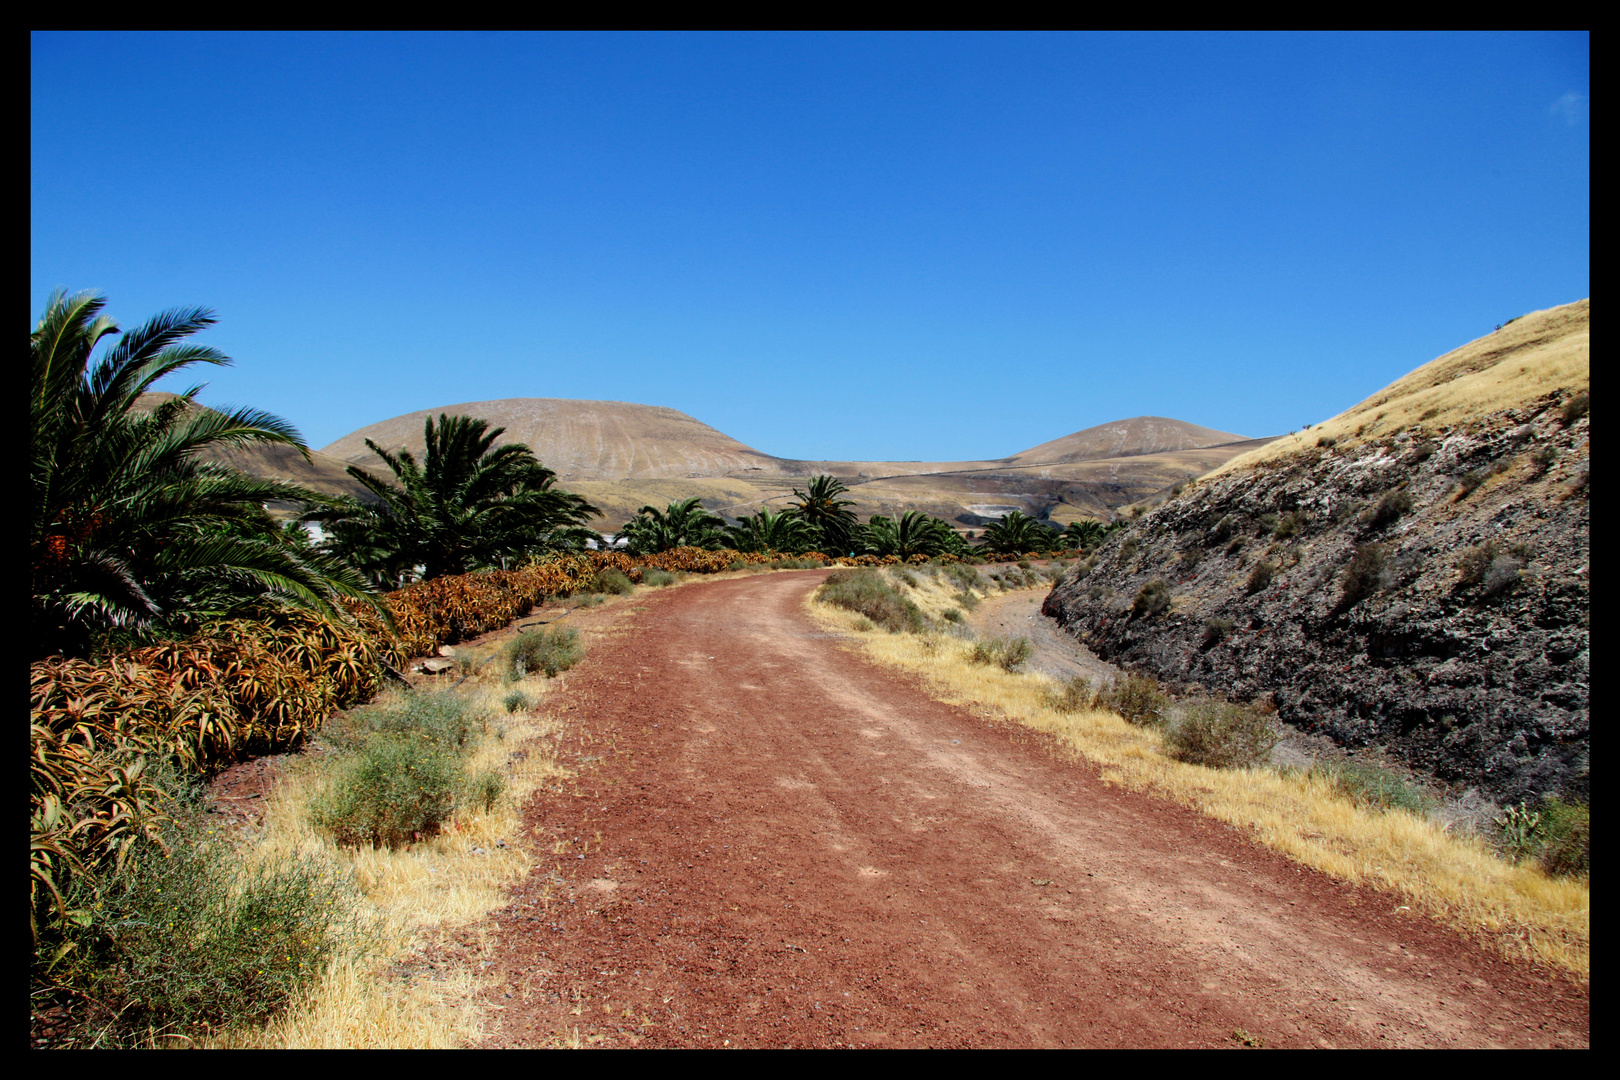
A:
[1424,590]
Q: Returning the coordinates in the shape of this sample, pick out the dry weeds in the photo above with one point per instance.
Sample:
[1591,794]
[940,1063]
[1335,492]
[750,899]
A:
[1456,879]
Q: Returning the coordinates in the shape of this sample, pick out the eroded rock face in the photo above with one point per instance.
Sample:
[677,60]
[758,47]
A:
[1460,641]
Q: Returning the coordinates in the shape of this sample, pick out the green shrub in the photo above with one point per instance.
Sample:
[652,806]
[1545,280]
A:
[1375,787]
[185,940]
[867,593]
[966,601]
[552,650]
[1221,735]
[1567,831]
[516,701]
[654,578]
[589,600]
[1005,653]
[965,577]
[1023,564]
[485,789]
[394,789]
[611,581]
[1364,573]
[1217,630]
[952,615]
[1152,599]
[1260,577]
[1136,698]
[1071,696]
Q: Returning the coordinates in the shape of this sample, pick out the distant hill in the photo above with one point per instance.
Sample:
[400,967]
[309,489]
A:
[273,462]
[622,455]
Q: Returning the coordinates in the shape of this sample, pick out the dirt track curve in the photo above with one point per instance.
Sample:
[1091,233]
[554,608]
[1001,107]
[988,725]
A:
[773,842]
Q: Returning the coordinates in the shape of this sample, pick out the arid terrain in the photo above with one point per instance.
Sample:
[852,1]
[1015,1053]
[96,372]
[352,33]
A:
[622,456]
[771,842]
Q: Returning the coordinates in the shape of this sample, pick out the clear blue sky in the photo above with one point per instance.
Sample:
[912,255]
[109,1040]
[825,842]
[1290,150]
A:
[935,246]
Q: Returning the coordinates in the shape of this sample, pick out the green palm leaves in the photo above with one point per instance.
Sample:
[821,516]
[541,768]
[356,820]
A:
[468,504]
[1085,534]
[912,533]
[1017,533]
[131,524]
[770,531]
[682,524]
[836,529]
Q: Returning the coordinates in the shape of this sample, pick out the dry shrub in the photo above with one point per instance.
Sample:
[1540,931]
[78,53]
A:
[1136,698]
[1005,653]
[1221,735]
[867,593]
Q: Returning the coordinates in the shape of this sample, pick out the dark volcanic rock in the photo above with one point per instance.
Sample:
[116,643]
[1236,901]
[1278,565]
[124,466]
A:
[1428,595]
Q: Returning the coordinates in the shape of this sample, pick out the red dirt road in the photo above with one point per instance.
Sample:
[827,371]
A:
[773,842]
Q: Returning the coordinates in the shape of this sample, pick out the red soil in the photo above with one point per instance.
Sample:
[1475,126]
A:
[773,842]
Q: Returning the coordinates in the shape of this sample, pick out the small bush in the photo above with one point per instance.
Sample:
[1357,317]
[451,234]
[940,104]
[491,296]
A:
[1023,564]
[516,701]
[1235,546]
[966,601]
[1260,577]
[1004,653]
[865,592]
[1136,698]
[1288,525]
[1576,407]
[589,600]
[1543,459]
[1364,573]
[1221,735]
[1474,563]
[1188,563]
[1216,631]
[1468,482]
[1389,509]
[1152,599]
[395,789]
[1224,530]
[611,581]
[1127,549]
[1265,524]
[1502,576]
[186,940]
[1567,831]
[485,789]
[1375,787]
[952,615]
[1071,696]
[655,578]
[965,577]
[904,576]
[1327,442]
[552,651]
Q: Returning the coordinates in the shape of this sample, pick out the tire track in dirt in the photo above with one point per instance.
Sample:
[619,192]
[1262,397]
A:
[773,842]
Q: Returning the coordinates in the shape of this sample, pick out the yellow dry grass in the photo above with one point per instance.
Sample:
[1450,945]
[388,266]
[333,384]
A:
[1455,879]
[414,896]
[1542,353]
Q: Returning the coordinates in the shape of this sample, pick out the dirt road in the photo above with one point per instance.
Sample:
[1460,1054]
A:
[773,842]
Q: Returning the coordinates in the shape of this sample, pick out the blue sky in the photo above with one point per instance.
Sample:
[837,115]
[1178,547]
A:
[931,247]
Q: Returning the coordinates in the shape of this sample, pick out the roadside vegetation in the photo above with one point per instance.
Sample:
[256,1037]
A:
[1522,880]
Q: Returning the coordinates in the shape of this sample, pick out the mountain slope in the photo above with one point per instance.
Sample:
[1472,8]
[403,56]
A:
[1419,582]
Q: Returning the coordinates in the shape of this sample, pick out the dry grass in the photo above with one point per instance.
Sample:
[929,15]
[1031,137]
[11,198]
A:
[416,895]
[1456,879]
[1542,353]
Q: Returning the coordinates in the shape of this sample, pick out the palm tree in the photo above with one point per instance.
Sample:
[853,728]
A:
[913,533]
[469,504]
[835,527]
[681,524]
[132,527]
[1016,533]
[1085,534]
[767,531]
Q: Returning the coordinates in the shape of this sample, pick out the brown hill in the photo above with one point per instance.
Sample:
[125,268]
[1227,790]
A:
[318,472]
[622,456]
[581,440]
[1410,577]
